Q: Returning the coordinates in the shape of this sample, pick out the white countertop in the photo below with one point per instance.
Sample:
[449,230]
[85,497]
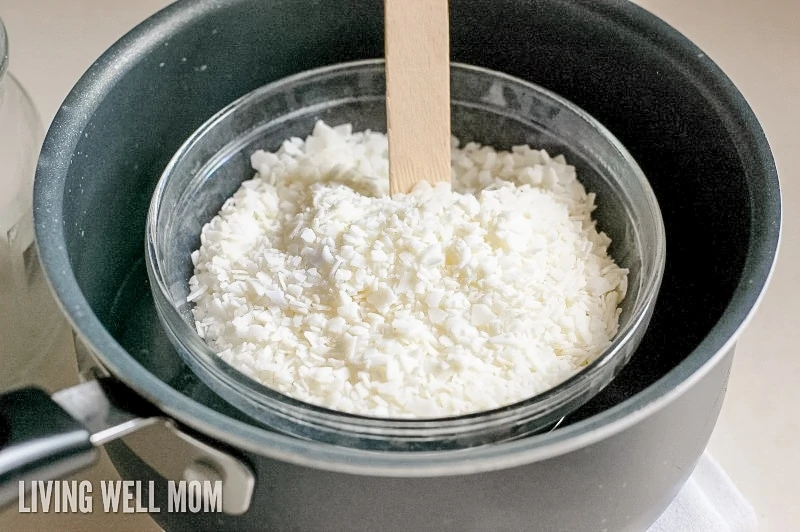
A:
[756,43]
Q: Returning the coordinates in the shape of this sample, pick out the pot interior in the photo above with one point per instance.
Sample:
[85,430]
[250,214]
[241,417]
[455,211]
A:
[684,123]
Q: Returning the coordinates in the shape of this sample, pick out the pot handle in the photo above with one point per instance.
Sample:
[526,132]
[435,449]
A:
[38,440]
[45,437]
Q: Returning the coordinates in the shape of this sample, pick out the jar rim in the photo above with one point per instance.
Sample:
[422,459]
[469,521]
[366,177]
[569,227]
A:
[3,49]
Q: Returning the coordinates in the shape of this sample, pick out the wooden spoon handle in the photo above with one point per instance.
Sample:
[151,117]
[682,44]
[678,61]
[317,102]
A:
[417,47]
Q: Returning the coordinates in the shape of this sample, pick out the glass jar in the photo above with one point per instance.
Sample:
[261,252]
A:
[34,335]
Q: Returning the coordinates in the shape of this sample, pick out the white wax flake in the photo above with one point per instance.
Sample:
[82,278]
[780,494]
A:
[308,235]
[442,302]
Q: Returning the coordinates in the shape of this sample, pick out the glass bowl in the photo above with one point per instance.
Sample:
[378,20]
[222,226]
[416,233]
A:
[487,107]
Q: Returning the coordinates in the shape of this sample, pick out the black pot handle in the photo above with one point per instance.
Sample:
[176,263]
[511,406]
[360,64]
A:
[39,440]
[45,437]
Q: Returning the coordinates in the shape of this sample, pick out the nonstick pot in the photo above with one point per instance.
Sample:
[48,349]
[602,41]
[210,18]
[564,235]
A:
[614,464]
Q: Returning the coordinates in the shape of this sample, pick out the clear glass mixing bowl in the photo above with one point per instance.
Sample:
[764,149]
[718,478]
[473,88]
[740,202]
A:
[487,107]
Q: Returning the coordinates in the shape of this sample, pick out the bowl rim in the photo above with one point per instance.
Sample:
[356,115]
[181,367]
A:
[86,96]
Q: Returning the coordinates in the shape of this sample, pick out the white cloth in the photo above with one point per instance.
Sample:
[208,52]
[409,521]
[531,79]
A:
[708,502]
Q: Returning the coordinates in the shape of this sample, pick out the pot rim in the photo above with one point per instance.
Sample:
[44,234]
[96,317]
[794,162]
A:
[78,108]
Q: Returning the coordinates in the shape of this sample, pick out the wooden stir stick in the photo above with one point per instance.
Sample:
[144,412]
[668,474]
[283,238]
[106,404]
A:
[417,49]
